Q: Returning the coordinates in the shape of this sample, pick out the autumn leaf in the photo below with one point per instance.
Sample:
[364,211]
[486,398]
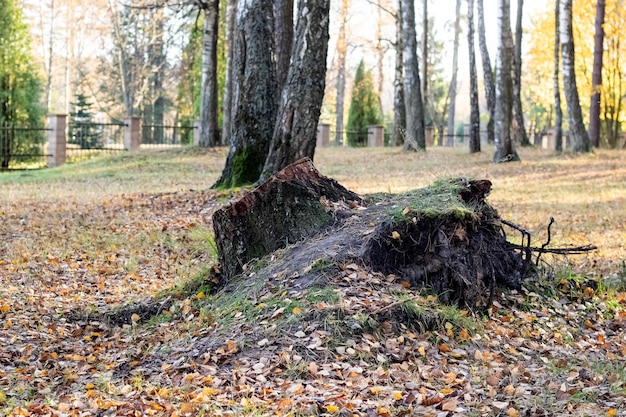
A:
[332,408]
[395,235]
[297,311]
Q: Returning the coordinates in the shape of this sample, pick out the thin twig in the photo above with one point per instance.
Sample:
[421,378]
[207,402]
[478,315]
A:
[395,304]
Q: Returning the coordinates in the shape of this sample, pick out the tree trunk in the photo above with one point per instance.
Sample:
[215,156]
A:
[577,133]
[519,127]
[208,86]
[342,49]
[425,57]
[283,27]
[415,137]
[455,69]
[254,94]
[227,109]
[490,89]
[50,57]
[474,139]
[291,205]
[558,118]
[596,78]
[295,133]
[399,108]
[158,61]
[504,147]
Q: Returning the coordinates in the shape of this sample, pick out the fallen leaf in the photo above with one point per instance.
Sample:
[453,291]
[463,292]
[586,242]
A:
[395,235]
[449,405]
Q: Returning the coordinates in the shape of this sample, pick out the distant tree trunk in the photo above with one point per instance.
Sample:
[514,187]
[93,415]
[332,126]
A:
[425,57]
[504,147]
[519,127]
[50,57]
[294,136]
[577,133]
[558,119]
[342,49]
[474,137]
[415,135]
[596,78]
[399,108]
[158,61]
[254,93]
[455,69]
[283,27]
[227,109]
[490,89]
[208,86]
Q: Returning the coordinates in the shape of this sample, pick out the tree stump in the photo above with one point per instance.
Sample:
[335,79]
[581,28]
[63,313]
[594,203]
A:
[292,204]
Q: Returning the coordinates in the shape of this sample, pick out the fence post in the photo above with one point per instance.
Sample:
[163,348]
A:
[323,135]
[197,126]
[132,133]
[375,136]
[57,139]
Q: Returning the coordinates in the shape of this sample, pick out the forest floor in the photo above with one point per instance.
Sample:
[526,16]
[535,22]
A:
[106,308]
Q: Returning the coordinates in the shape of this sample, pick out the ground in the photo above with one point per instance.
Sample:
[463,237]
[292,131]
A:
[106,304]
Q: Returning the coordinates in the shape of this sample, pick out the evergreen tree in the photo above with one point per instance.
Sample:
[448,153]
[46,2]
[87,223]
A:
[19,85]
[364,107]
[81,128]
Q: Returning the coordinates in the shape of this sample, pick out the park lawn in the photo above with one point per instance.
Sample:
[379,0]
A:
[82,242]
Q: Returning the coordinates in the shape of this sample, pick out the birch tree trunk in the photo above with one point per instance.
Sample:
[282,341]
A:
[558,119]
[399,108]
[254,93]
[294,136]
[504,147]
[519,127]
[596,78]
[455,69]
[577,133]
[227,109]
[474,137]
[490,89]
[415,136]
[208,87]
[342,49]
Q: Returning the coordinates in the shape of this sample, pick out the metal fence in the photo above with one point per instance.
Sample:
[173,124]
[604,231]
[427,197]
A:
[166,135]
[91,139]
[22,147]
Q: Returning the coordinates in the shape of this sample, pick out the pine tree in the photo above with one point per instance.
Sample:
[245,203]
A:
[81,129]
[364,107]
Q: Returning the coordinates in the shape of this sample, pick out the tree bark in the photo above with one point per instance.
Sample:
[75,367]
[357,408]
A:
[577,133]
[283,27]
[558,119]
[295,133]
[158,62]
[425,56]
[254,94]
[596,78]
[504,147]
[474,139]
[490,89]
[342,49]
[519,127]
[227,109]
[453,81]
[399,108]
[415,136]
[208,86]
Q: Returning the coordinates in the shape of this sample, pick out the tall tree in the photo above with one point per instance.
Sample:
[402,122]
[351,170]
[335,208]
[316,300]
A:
[364,106]
[455,69]
[490,89]
[474,137]
[283,28]
[558,112]
[596,78]
[399,108]
[425,54]
[231,11]
[519,128]
[209,130]
[254,93]
[301,102]
[504,147]
[342,50]
[577,133]
[415,135]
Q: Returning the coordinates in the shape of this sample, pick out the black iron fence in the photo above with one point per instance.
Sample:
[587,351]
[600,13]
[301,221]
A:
[22,147]
[166,135]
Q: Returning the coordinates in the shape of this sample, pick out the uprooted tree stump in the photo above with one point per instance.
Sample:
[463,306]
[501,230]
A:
[445,237]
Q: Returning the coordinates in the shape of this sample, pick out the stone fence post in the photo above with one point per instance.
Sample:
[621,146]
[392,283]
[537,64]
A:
[197,128]
[375,136]
[323,135]
[57,139]
[132,133]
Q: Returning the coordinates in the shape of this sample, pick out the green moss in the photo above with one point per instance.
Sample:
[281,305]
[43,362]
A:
[247,166]
[440,199]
